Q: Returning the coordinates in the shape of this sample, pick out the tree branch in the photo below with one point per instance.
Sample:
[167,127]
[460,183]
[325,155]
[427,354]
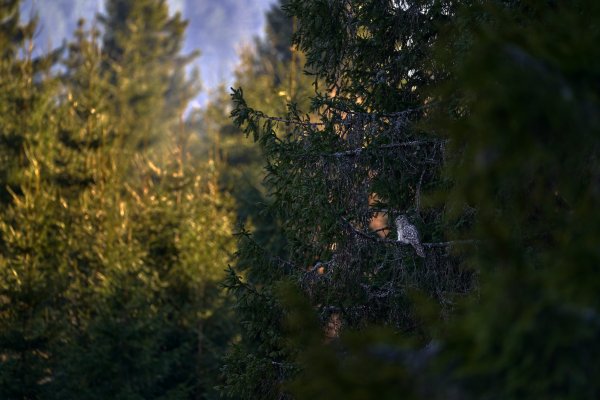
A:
[356,152]
[450,243]
[288,121]
[418,194]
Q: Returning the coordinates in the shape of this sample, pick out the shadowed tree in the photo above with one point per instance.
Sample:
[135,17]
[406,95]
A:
[338,181]
[479,124]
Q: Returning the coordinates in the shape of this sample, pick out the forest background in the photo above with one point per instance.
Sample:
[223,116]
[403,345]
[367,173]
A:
[247,249]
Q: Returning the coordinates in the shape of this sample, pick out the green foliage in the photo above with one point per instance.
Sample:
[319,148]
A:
[155,293]
[110,254]
[477,121]
[525,156]
[271,73]
[23,95]
[142,43]
[13,34]
[480,123]
[371,364]
[239,163]
[31,282]
[339,180]
[259,364]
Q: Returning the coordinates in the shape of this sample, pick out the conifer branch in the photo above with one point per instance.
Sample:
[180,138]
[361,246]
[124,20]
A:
[288,121]
[393,115]
[450,243]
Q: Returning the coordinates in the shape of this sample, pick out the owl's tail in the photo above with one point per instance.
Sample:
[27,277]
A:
[418,249]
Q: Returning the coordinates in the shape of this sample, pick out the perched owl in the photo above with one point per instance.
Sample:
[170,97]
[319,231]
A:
[407,233]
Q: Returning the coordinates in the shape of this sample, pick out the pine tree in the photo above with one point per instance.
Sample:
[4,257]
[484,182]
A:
[477,122]
[340,181]
[21,92]
[146,253]
[271,66]
[143,43]
[274,66]
[31,279]
[108,279]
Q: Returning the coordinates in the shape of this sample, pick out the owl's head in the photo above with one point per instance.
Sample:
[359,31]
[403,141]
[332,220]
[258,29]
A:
[401,220]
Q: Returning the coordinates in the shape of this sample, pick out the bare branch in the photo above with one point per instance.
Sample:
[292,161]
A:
[356,152]
[451,243]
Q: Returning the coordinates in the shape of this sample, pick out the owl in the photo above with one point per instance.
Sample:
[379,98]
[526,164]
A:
[407,233]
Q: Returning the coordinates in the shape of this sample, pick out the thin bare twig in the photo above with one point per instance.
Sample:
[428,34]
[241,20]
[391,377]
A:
[355,152]
[418,194]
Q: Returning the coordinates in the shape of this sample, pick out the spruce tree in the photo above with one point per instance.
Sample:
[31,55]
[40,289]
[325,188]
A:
[143,44]
[147,250]
[108,279]
[340,182]
[22,93]
[479,124]
[271,73]
[31,279]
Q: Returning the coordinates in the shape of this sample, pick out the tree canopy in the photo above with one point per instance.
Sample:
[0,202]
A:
[112,242]
[478,125]
[264,247]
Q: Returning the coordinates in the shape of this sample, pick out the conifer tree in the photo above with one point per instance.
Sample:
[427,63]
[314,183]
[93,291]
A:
[478,125]
[271,73]
[31,280]
[143,44]
[340,182]
[524,154]
[21,92]
[108,280]
[147,255]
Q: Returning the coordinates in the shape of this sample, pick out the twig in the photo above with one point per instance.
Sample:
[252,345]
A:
[451,243]
[355,152]
[287,121]
[418,194]
[380,115]
[314,124]
[271,257]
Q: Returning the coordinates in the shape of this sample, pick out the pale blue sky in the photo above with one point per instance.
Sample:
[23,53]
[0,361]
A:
[217,27]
